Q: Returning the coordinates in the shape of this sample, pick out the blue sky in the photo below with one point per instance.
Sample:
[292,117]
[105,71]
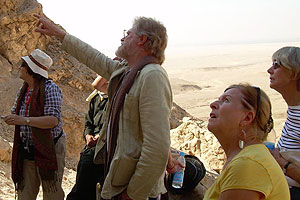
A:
[189,22]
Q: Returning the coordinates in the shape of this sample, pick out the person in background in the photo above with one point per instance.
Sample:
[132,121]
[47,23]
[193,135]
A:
[241,119]
[285,79]
[39,141]
[137,126]
[88,173]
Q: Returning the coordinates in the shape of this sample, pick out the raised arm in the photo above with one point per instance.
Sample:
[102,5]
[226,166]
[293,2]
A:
[82,51]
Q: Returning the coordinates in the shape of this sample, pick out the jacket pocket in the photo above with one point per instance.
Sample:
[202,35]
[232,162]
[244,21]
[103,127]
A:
[123,170]
[130,108]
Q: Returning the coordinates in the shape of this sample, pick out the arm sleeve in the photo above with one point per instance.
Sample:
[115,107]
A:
[155,103]
[89,56]
[53,102]
[94,119]
[89,120]
[13,109]
[245,173]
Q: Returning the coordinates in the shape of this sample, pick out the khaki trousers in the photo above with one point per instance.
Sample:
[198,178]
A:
[32,179]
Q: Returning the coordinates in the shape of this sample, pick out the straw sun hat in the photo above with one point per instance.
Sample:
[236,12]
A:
[39,62]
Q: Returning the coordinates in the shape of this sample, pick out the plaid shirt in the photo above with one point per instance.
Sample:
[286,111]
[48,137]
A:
[53,102]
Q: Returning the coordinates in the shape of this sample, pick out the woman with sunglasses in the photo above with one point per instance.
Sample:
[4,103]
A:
[241,119]
[285,79]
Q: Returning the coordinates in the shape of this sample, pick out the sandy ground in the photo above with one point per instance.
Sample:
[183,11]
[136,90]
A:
[200,74]
[7,191]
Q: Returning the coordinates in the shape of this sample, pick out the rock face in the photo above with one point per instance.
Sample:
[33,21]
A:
[17,29]
[193,138]
[18,38]
[177,114]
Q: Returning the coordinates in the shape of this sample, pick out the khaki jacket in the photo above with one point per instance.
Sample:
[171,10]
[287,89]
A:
[144,132]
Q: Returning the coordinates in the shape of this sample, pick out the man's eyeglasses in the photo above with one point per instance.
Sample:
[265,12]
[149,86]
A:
[276,64]
[125,33]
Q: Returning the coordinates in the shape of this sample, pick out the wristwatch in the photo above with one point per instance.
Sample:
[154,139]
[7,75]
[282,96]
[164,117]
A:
[286,166]
[27,121]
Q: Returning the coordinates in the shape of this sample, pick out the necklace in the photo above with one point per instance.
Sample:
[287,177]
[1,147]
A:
[27,101]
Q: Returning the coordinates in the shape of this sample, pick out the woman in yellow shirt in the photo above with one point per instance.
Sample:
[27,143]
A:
[241,119]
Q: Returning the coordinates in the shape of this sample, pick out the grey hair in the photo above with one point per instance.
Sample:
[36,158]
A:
[156,34]
[289,57]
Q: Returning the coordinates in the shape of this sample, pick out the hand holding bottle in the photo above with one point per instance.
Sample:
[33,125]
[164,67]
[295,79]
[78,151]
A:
[179,173]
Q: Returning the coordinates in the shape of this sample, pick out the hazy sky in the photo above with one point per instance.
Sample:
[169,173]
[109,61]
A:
[101,23]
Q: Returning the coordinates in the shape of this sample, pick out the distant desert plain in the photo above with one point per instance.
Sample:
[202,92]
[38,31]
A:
[200,73]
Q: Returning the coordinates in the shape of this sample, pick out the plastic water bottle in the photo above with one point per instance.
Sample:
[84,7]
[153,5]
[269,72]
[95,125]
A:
[270,140]
[179,174]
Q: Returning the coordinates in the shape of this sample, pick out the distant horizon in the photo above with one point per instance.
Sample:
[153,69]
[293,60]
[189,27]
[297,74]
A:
[259,41]
[181,48]
[200,22]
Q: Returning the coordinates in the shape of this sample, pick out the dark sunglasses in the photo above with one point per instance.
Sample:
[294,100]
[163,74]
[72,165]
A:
[267,128]
[276,64]
[23,64]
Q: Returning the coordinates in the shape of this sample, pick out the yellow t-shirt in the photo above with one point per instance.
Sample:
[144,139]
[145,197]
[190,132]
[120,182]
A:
[254,168]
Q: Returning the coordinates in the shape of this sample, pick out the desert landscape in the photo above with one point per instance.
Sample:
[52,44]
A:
[198,75]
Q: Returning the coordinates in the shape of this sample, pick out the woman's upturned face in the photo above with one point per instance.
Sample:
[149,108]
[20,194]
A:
[280,77]
[227,112]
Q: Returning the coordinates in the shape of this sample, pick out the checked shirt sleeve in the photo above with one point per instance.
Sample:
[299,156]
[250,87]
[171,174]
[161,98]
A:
[13,109]
[53,103]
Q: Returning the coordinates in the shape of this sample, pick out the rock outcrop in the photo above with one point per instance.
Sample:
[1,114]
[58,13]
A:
[193,138]
[18,38]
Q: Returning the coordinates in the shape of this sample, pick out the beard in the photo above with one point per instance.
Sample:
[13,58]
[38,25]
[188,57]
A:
[127,49]
[120,52]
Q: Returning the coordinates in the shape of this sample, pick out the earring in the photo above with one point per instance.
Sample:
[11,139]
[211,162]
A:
[241,144]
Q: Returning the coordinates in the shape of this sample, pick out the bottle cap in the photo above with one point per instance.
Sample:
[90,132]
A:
[181,154]
[270,145]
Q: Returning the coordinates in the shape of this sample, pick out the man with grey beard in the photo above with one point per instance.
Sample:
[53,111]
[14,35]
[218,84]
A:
[136,130]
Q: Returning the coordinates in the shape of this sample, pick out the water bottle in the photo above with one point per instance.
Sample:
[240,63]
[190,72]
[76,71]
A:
[179,174]
[270,140]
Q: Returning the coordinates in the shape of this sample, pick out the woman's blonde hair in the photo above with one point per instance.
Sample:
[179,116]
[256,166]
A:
[156,34]
[289,57]
[257,99]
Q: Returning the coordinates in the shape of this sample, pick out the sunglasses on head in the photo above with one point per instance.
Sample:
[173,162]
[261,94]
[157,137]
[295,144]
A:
[258,101]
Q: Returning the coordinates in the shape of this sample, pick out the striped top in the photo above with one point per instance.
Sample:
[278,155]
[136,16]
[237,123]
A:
[290,137]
